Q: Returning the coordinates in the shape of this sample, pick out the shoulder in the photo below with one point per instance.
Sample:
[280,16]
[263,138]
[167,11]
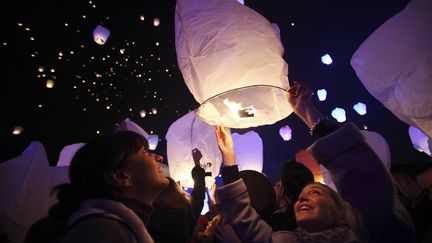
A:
[285,236]
[99,229]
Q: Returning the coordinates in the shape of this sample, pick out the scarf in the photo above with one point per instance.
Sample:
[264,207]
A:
[335,235]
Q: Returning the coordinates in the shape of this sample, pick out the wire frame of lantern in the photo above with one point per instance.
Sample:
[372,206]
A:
[101,34]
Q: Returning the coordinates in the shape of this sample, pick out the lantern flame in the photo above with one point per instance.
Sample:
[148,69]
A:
[238,111]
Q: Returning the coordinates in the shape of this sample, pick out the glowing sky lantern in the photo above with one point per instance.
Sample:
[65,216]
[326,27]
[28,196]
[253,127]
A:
[101,34]
[156,22]
[285,133]
[154,111]
[238,83]
[360,108]
[339,114]
[419,140]
[50,83]
[153,141]
[248,150]
[17,130]
[322,94]
[326,59]
[185,134]
[395,64]
[143,113]
[307,160]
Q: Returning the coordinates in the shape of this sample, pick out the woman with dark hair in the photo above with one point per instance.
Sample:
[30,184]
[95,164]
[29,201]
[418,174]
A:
[365,210]
[114,180]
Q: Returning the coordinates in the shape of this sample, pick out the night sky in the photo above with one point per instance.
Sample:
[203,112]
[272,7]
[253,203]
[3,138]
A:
[97,86]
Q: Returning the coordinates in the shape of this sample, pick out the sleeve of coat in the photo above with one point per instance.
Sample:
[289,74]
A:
[364,183]
[240,214]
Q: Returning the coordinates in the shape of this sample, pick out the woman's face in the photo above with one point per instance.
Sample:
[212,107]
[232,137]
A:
[314,209]
[145,170]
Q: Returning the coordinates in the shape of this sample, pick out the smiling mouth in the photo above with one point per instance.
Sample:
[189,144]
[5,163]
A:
[304,208]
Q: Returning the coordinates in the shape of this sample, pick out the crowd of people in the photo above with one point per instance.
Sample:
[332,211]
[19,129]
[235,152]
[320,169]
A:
[118,193]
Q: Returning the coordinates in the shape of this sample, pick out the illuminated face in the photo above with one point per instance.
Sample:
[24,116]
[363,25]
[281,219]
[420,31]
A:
[314,209]
[425,181]
[145,170]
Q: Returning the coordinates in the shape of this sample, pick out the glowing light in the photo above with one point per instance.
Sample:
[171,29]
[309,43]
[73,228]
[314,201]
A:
[153,141]
[156,22]
[122,51]
[326,59]
[419,140]
[157,43]
[50,83]
[142,18]
[285,132]
[143,113]
[41,69]
[237,110]
[360,108]
[101,34]
[339,114]
[322,94]
[292,24]
[52,70]
[17,130]
[97,132]
[154,111]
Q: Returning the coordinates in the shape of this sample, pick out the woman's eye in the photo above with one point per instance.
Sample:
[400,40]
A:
[316,192]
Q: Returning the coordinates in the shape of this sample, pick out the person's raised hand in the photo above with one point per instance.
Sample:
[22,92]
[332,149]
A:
[196,155]
[226,145]
[299,94]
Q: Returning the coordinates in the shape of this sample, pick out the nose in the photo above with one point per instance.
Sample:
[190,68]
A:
[159,158]
[303,198]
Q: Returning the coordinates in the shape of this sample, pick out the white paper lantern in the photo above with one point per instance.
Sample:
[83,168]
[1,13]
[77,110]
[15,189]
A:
[339,114]
[50,83]
[326,59]
[285,133]
[248,150]
[395,64]
[25,190]
[322,94]
[67,153]
[101,34]
[419,140]
[17,130]
[185,134]
[153,141]
[156,22]
[360,108]
[220,52]
[143,113]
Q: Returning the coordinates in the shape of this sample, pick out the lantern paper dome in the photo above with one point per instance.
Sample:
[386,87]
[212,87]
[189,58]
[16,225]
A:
[248,149]
[360,108]
[101,34]
[186,133]
[220,52]
[339,114]
[285,132]
[322,94]
[326,59]
[419,140]
[395,64]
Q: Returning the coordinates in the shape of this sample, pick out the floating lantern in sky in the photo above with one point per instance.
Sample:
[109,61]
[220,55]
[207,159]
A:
[399,74]
[322,94]
[156,22]
[153,141]
[154,111]
[248,150]
[143,113]
[285,132]
[41,69]
[339,114]
[101,34]
[49,83]
[360,108]
[209,47]
[419,140]
[17,130]
[142,18]
[326,59]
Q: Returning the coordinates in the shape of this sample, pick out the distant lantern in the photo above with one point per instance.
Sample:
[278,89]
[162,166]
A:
[143,113]
[41,69]
[153,141]
[49,83]
[156,22]
[285,133]
[154,111]
[419,140]
[142,17]
[326,59]
[339,114]
[17,130]
[101,34]
[210,42]
[322,94]
[248,150]
[360,108]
